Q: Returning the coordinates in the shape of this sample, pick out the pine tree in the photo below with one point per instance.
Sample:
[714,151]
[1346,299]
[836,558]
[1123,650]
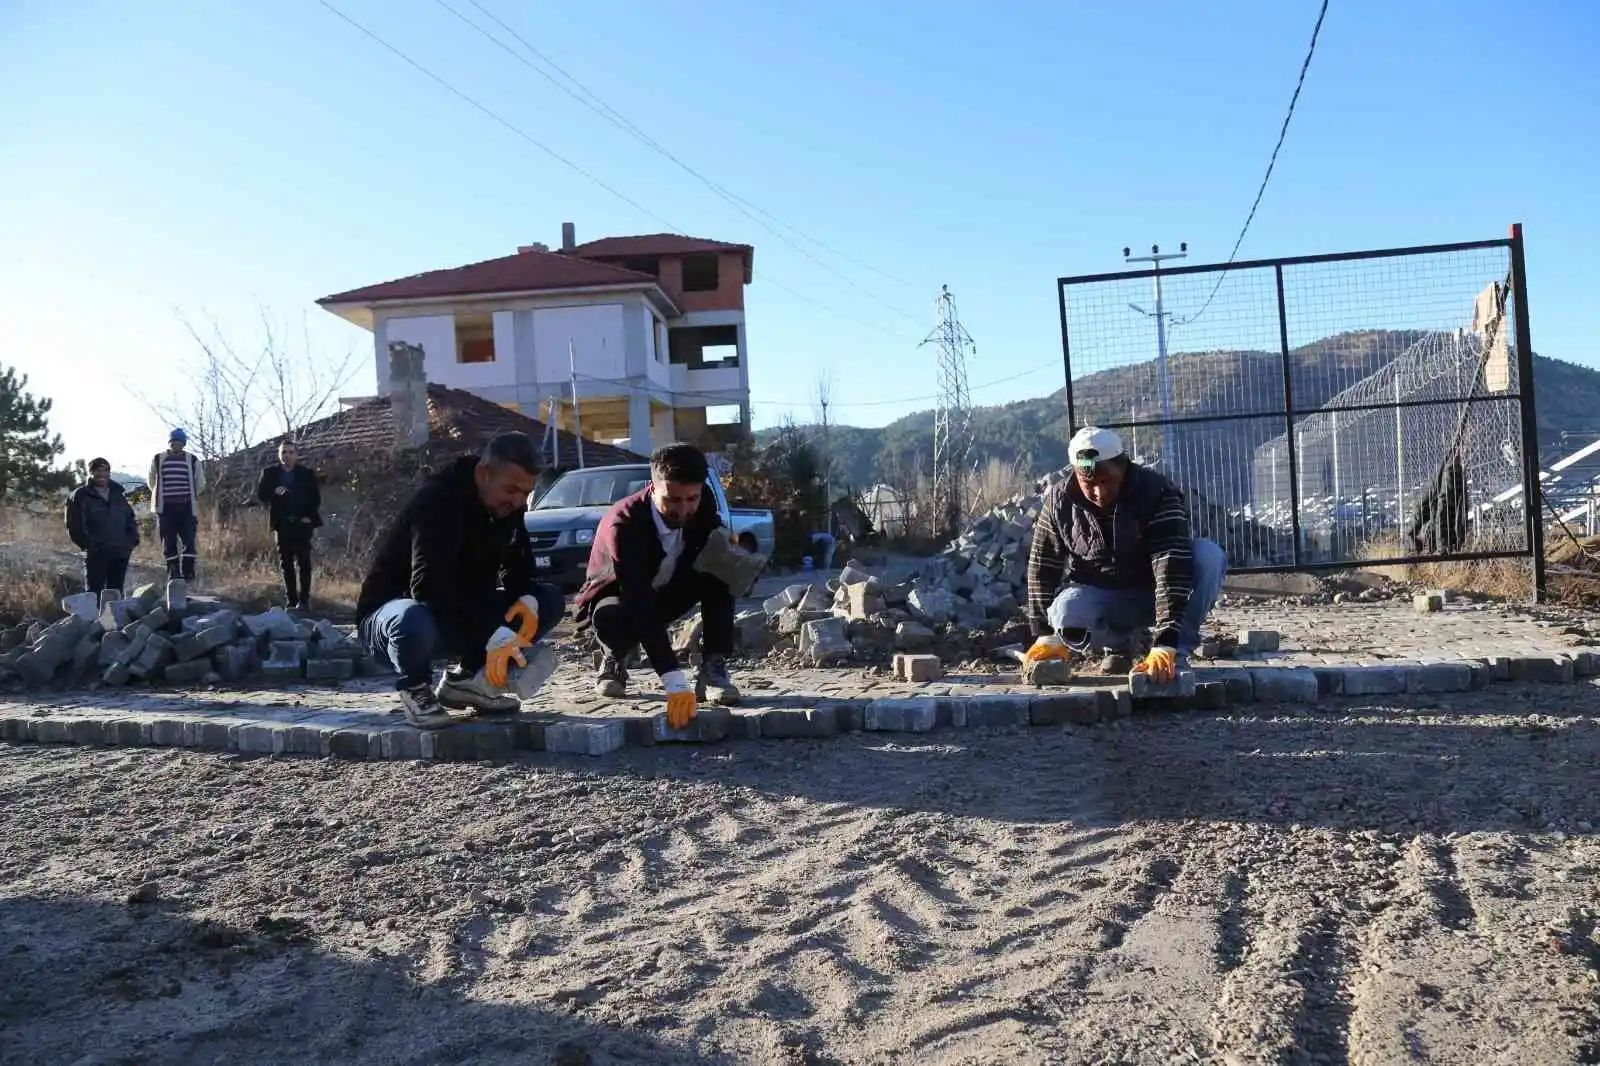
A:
[28,449]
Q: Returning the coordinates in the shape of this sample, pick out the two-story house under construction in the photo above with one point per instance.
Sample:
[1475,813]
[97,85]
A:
[647,333]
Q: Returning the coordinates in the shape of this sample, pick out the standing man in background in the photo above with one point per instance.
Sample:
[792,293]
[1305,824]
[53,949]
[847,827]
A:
[100,521]
[294,503]
[176,481]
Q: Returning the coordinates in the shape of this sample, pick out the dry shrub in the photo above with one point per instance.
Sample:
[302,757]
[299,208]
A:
[1500,579]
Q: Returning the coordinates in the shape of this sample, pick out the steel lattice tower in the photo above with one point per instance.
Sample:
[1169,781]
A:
[952,424]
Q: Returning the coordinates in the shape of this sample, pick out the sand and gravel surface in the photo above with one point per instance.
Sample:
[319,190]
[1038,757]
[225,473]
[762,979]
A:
[1394,882]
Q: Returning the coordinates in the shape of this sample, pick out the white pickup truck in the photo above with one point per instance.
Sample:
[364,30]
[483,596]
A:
[561,521]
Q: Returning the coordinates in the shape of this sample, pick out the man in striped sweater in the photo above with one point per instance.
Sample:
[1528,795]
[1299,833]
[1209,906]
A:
[176,481]
[1112,556]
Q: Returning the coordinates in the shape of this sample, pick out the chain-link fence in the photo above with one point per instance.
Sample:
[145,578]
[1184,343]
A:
[1325,410]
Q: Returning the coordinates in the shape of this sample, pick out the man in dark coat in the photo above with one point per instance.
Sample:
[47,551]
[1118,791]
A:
[453,577]
[642,577]
[100,521]
[294,504]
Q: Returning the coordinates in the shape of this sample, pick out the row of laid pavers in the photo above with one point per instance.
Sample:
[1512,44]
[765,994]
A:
[378,735]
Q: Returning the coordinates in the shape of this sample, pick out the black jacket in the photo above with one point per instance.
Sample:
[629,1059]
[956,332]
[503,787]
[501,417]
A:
[300,507]
[102,524]
[624,560]
[444,549]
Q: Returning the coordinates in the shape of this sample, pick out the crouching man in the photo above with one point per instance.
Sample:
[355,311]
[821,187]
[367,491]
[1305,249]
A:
[452,578]
[1113,559]
[642,578]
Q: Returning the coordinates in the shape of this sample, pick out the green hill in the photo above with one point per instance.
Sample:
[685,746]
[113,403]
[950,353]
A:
[1035,431]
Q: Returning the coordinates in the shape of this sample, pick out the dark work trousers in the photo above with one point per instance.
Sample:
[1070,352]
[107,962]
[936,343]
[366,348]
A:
[687,589]
[177,525]
[104,570]
[406,635]
[294,552]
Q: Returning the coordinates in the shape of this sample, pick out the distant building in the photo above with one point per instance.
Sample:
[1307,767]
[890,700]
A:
[653,327]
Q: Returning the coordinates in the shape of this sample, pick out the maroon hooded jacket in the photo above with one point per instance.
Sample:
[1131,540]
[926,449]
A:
[623,562]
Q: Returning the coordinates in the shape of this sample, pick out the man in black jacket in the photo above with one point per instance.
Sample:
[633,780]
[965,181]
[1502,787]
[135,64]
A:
[101,522]
[452,576]
[642,577]
[294,504]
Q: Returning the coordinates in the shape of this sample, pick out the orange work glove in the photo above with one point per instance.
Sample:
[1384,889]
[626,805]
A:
[503,649]
[1161,664]
[681,701]
[1051,647]
[524,614]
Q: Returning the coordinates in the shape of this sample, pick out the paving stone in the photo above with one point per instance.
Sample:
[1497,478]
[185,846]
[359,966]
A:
[85,605]
[330,670]
[259,739]
[1240,684]
[1043,672]
[1211,696]
[353,744]
[849,714]
[235,662]
[276,624]
[152,661]
[709,725]
[1543,668]
[1439,677]
[189,673]
[1257,640]
[127,732]
[1074,707]
[900,715]
[1427,602]
[16,729]
[167,732]
[201,642]
[917,668]
[207,736]
[1370,681]
[998,711]
[305,740]
[53,649]
[597,737]
[744,723]
[52,731]
[1142,688]
[1585,664]
[1285,685]
[797,723]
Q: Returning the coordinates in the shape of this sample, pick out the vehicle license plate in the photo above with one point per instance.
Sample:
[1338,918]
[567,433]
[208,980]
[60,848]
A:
[541,562]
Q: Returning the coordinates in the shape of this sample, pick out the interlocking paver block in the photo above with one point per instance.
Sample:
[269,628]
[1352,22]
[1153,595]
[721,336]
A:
[598,737]
[1143,688]
[330,670]
[1259,639]
[1045,672]
[1211,696]
[1240,684]
[305,740]
[998,711]
[400,743]
[1543,668]
[901,715]
[1427,602]
[187,673]
[16,729]
[744,723]
[167,732]
[784,723]
[351,744]
[52,731]
[1080,707]
[1284,685]
[206,736]
[128,732]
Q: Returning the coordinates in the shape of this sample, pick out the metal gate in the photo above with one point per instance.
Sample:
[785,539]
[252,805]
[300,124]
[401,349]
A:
[1325,411]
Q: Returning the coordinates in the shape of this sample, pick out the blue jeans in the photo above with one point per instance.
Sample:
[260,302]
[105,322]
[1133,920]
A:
[404,635]
[177,526]
[1112,615]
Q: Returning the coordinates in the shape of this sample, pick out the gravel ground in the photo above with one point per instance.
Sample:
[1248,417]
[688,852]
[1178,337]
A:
[1390,882]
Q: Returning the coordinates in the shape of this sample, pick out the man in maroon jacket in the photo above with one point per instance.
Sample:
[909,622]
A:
[642,578]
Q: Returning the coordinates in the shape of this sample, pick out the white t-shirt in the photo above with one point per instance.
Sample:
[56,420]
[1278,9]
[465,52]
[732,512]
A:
[671,543]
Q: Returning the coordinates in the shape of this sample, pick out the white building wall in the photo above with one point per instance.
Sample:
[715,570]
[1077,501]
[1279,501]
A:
[435,333]
[597,338]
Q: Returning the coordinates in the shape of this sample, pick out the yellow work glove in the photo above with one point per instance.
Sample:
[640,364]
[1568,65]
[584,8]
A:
[1051,647]
[502,650]
[1161,664]
[524,614]
[681,701]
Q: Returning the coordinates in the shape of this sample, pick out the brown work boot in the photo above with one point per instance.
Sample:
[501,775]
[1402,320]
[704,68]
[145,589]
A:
[714,685]
[611,680]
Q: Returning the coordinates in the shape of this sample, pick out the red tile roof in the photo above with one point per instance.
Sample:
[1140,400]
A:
[655,244]
[458,422]
[522,272]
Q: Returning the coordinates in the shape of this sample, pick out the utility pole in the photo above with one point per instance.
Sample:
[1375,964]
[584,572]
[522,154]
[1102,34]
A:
[824,397]
[577,417]
[952,423]
[1163,379]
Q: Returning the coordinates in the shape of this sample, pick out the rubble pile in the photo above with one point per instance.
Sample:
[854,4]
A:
[157,636]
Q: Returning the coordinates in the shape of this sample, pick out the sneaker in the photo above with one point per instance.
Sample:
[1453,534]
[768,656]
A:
[611,680]
[422,709]
[459,691]
[713,685]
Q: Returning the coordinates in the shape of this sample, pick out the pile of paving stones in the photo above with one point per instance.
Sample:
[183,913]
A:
[166,636]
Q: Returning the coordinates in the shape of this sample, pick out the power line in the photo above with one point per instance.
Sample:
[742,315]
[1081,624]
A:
[514,128]
[585,96]
[1272,162]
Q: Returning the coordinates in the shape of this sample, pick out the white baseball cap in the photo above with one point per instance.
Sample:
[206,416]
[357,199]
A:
[1092,445]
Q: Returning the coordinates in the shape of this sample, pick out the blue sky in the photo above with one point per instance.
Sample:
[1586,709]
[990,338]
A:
[210,160]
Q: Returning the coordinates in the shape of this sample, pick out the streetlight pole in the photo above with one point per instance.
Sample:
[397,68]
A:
[1163,379]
